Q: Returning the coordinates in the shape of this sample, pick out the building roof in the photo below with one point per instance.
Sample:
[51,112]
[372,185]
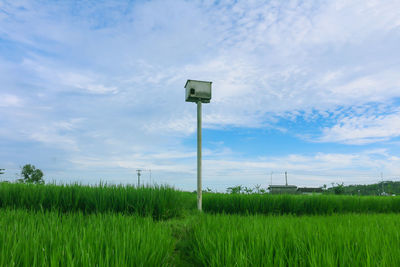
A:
[282,187]
[196,81]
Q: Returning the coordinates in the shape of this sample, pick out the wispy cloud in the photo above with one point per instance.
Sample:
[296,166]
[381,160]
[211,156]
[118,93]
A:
[364,129]
[8,100]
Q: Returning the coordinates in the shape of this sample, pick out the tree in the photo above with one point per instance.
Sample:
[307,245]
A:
[257,188]
[248,190]
[339,189]
[30,174]
[235,189]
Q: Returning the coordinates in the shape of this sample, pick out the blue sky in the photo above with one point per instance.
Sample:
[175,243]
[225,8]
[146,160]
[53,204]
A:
[93,90]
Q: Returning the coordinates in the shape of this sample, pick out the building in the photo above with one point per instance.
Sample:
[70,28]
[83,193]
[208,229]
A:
[282,189]
[292,189]
[309,190]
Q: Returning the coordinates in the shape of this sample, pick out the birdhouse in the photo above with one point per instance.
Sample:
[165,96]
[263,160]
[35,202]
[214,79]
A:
[198,91]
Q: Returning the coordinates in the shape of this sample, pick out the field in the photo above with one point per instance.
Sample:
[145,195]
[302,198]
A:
[76,225]
[159,202]
[48,238]
[298,204]
[162,202]
[337,240]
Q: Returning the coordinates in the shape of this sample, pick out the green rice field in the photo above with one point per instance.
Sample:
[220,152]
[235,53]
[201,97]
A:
[298,204]
[336,240]
[30,238]
[159,202]
[163,202]
[75,225]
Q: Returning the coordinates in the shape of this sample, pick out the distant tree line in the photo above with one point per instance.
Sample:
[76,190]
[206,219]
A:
[381,188]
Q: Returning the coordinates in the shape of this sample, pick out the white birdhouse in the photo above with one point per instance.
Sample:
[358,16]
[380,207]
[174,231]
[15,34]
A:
[198,91]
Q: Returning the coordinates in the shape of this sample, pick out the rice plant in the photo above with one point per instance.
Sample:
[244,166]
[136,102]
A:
[50,238]
[338,240]
[160,202]
[163,202]
[298,204]
[72,239]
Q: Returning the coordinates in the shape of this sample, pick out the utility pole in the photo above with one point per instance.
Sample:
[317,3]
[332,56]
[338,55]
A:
[286,178]
[382,182]
[138,176]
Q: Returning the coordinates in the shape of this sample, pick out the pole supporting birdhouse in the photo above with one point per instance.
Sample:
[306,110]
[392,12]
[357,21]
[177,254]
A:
[198,92]
[199,187]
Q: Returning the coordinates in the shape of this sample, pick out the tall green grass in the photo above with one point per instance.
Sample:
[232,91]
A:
[160,202]
[163,202]
[298,204]
[30,238]
[337,240]
[57,239]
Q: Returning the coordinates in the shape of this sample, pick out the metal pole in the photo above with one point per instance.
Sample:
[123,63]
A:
[199,191]
[138,177]
[286,178]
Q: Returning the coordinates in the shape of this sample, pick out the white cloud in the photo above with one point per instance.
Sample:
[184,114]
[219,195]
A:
[57,134]
[378,87]
[8,100]
[350,22]
[66,80]
[363,129]
[264,58]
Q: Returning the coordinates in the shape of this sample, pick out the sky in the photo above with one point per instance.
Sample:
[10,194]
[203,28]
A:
[91,91]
